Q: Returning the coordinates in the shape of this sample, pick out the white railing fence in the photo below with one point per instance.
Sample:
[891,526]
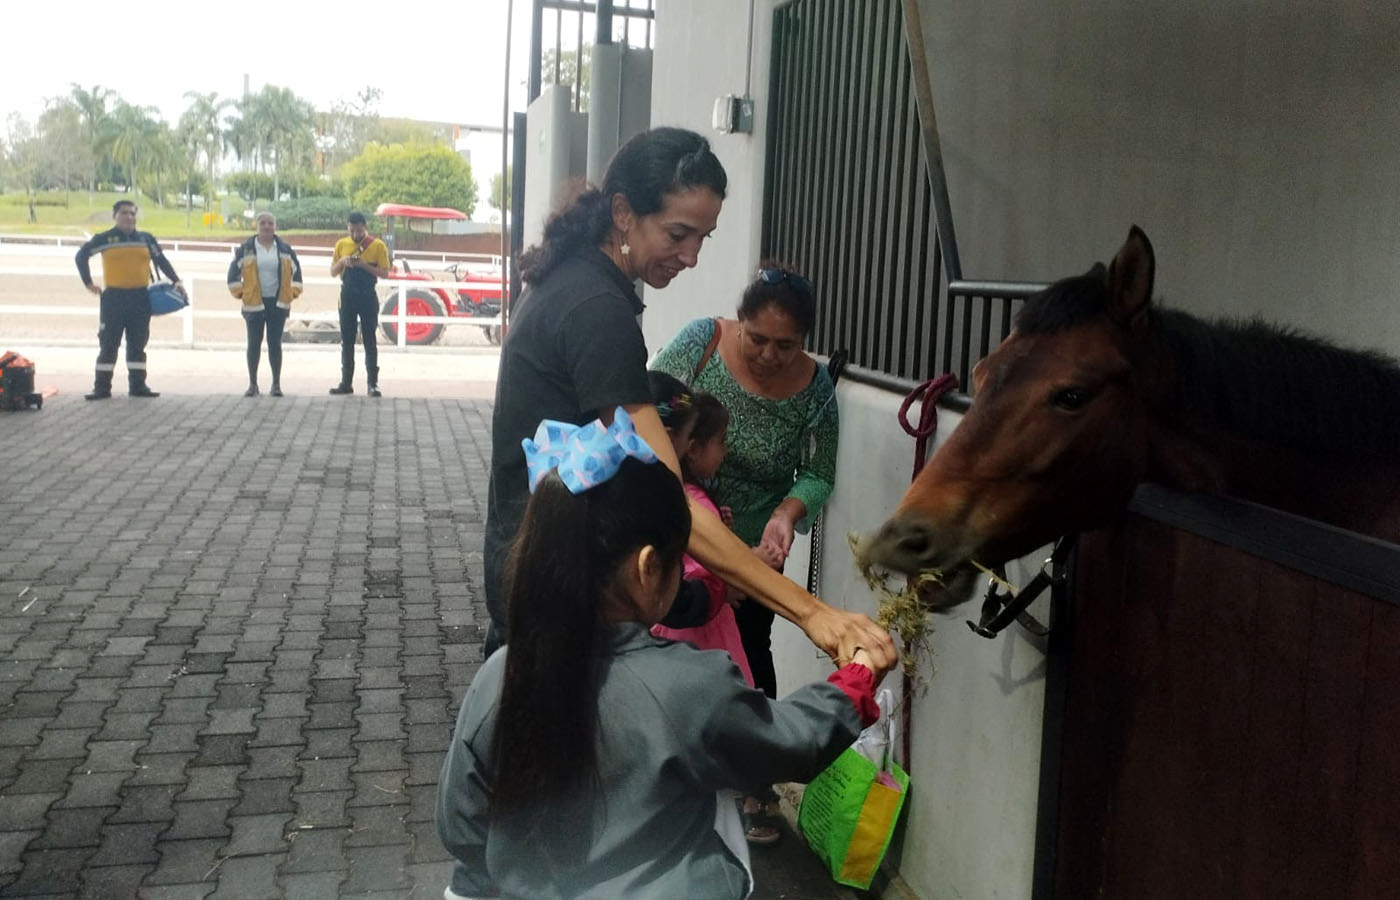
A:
[399,319]
[226,247]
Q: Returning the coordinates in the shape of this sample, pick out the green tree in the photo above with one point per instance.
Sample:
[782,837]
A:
[64,152]
[289,121]
[201,135]
[500,190]
[275,129]
[407,131]
[569,71]
[251,186]
[420,174]
[98,128]
[135,131]
[346,129]
[22,156]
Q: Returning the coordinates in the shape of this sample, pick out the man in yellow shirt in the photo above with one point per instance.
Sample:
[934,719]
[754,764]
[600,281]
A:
[127,256]
[359,261]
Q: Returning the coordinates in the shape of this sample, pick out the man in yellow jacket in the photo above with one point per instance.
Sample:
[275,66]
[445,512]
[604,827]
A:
[127,257]
[360,260]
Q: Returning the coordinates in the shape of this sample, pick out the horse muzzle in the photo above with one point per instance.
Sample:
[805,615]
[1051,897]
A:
[909,545]
[912,546]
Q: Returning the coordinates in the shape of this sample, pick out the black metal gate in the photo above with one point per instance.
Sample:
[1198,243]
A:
[853,199]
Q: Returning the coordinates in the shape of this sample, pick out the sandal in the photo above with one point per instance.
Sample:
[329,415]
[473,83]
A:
[761,826]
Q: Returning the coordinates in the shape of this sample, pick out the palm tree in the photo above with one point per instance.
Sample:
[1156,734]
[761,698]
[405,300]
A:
[135,129]
[287,122]
[249,129]
[199,128]
[163,159]
[97,125]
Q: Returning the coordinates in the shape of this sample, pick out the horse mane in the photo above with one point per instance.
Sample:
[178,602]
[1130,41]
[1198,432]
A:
[1259,380]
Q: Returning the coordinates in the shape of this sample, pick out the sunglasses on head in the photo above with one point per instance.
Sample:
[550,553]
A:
[778,276]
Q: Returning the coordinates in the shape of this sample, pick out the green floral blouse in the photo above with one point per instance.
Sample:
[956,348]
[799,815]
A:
[777,448]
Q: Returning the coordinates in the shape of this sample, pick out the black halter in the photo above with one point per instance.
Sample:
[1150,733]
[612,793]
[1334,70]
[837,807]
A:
[1000,609]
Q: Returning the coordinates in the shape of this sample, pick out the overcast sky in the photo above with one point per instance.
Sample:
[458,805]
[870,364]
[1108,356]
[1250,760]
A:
[436,60]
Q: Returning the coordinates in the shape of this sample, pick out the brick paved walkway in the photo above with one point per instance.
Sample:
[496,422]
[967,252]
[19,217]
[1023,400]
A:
[233,673]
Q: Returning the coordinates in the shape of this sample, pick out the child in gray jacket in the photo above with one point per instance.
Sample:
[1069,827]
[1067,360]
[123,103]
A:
[591,759]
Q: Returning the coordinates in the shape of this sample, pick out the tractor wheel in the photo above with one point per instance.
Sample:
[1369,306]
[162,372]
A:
[420,303]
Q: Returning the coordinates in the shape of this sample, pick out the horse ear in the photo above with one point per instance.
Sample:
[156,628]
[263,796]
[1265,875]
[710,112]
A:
[1130,281]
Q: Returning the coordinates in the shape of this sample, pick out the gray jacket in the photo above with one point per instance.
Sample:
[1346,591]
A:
[676,726]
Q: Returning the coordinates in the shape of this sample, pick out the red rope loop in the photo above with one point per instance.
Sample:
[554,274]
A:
[929,394]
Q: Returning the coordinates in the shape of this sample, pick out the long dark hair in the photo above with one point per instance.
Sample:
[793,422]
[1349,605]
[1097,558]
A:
[645,170]
[563,563]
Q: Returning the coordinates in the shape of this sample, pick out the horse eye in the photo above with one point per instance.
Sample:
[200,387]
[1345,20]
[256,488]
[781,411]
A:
[1070,399]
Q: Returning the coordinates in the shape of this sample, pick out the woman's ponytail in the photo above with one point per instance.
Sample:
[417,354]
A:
[564,560]
[583,223]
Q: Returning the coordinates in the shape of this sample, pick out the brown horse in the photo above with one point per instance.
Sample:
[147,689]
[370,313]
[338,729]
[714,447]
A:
[1096,390]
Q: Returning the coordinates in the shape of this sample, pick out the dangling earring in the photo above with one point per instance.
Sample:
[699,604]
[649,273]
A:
[626,248]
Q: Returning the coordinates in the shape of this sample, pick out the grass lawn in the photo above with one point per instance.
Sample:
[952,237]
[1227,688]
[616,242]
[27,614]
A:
[78,218]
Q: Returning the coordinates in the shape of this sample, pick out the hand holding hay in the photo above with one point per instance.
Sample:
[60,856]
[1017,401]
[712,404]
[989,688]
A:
[903,613]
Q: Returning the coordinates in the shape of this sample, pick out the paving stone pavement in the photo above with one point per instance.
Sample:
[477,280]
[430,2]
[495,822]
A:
[233,637]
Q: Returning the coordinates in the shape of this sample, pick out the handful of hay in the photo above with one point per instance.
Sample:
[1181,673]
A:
[903,613]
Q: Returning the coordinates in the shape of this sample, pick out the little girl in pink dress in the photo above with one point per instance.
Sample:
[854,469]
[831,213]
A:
[699,424]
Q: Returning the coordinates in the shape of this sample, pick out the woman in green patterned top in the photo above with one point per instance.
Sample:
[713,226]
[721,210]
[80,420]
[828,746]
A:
[781,461]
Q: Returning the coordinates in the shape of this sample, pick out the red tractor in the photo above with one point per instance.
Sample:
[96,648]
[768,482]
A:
[471,292]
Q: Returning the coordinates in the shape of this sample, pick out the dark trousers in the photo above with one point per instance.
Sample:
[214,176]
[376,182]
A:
[271,319]
[755,633]
[496,552]
[362,312]
[123,310]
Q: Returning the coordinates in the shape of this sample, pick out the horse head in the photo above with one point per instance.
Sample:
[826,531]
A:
[1055,440]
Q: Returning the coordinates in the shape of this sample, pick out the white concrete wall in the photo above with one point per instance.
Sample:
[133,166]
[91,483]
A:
[1258,144]
[699,51]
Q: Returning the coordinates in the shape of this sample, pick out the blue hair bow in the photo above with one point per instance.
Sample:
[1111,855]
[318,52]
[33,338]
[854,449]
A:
[584,455]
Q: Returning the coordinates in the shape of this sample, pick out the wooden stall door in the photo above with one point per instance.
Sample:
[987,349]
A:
[1232,727]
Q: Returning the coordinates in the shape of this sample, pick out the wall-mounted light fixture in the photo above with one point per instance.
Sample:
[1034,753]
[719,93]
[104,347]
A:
[733,115]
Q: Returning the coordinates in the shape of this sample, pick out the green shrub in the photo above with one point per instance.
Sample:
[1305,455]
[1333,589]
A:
[250,185]
[312,212]
[316,186]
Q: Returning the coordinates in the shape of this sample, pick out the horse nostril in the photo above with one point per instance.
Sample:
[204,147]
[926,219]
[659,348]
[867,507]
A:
[915,543]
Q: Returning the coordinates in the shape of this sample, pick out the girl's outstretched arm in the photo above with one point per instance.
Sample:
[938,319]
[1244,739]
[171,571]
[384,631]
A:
[837,632]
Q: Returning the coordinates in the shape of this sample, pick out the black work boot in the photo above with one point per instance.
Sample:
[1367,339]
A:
[372,376]
[137,385]
[346,377]
[143,391]
[101,387]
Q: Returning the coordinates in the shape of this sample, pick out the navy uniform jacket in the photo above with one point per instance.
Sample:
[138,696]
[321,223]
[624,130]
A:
[127,257]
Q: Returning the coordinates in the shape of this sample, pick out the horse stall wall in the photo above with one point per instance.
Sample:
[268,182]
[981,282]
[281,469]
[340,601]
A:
[1229,721]
[970,823]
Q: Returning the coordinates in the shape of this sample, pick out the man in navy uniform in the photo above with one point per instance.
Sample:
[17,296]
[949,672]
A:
[127,257]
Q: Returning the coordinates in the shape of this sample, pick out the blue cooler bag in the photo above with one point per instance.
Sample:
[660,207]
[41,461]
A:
[165,298]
